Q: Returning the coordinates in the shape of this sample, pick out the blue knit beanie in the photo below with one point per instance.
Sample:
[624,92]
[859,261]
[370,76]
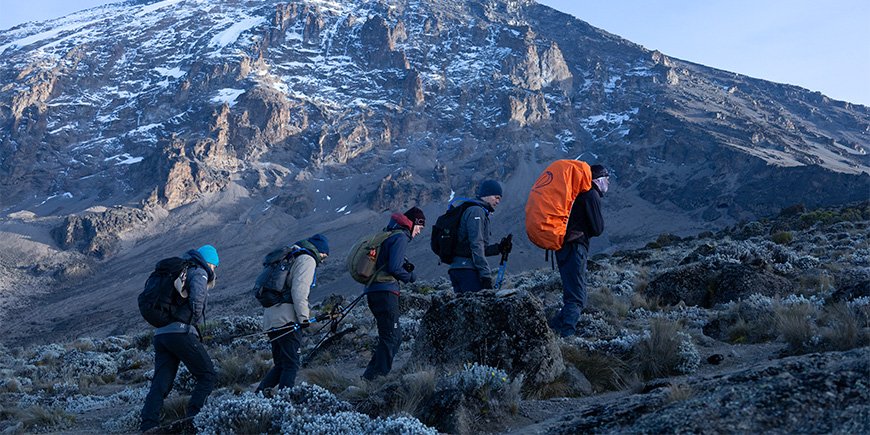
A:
[489,187]
[320,242]
[209,254]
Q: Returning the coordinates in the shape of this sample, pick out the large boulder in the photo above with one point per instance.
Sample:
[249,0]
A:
[97,232]
[706,284]
[507,332]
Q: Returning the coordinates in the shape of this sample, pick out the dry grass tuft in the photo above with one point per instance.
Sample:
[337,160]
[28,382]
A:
[415,389]
[843,330]
[328,377]
[174,408]
[238,370]
[39,419]
[658,354]
[796,326]
[614,306]
[639,300]
[604,372]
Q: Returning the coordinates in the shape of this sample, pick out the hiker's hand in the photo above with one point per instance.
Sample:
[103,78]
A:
[407,265]
[486,283]
[506,245]
[304,323]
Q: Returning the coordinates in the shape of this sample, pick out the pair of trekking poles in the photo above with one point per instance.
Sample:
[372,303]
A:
[332,319]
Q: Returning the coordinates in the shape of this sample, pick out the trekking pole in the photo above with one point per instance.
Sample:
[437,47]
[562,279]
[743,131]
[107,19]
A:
[502,265]
[297,326]
[334,314]
[333,328]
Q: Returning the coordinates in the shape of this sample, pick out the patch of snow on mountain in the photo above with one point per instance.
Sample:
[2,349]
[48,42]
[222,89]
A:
[602,125]
[48,34]
[231,34]
[170,72]
[124,159]
[565,137]
[153,7]
[610,86]
[227,95]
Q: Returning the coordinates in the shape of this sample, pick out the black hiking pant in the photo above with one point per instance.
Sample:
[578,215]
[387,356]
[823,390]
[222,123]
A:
[385,307]
[464,280]
[169,351]
[285,356]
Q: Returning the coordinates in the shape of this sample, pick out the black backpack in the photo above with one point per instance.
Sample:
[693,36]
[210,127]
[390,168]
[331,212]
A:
[445,232]
[269,287]
[161,303]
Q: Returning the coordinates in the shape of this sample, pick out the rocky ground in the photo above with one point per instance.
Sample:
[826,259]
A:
[764,326]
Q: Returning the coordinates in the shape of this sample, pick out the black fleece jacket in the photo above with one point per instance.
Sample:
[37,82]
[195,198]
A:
[586,217]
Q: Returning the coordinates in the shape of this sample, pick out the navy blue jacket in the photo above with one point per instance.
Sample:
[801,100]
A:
[390,260]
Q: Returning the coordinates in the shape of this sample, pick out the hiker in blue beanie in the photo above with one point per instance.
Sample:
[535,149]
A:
[179,341]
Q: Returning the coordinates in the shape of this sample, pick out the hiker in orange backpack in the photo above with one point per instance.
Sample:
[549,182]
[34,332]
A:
[585,221]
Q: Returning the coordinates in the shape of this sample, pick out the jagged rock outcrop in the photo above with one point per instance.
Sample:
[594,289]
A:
[379,44]
[826,393]
[528,109]
[402,190]
[509,333]
[96,233]
[705,284]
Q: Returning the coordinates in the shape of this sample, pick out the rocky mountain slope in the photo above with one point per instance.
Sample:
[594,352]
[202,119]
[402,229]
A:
[136,130]
[790,359]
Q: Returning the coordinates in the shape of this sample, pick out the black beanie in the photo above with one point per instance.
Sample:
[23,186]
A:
[599,171]
[488,188]
[416,216]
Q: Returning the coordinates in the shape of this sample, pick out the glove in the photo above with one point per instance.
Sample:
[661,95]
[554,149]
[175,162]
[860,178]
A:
[506,244]
[408,266]
[486,283]
[304,323]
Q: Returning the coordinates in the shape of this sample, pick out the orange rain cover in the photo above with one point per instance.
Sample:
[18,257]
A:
[550,201]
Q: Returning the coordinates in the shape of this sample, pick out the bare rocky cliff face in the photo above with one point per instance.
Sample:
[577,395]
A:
[162,103]
[250,123]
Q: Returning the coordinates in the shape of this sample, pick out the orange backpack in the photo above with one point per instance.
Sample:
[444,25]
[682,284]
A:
[551,199]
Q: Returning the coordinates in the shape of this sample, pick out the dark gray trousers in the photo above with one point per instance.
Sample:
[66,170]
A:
[169,351]
[385,307]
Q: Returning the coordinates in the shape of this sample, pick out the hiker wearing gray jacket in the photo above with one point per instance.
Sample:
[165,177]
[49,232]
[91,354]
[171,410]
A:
[286,343]
[179,342]
[470,271]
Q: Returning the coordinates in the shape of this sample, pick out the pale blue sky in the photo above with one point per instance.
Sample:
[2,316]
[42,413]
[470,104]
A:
[819,45]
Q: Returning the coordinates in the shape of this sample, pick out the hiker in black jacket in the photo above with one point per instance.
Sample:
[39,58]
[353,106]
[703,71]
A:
[584,222]
[470,272]
[180,342]
[383,293]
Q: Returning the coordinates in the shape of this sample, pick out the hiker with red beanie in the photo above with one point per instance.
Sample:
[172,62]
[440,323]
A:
[383,292]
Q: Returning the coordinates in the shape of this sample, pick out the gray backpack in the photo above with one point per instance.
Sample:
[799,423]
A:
[269,288]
